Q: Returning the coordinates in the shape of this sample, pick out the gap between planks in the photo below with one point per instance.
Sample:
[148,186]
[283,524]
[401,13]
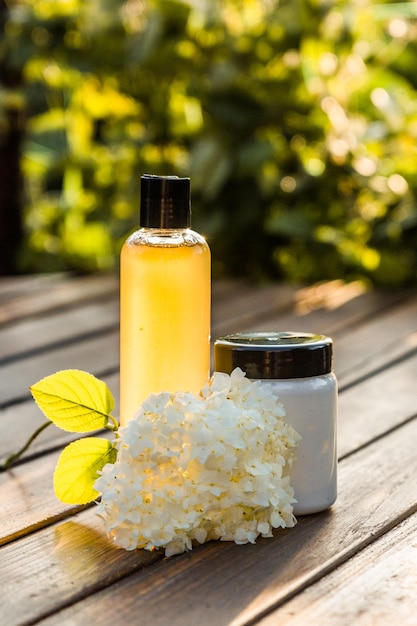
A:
[56,293]
[379,586]
[69,352]
[396,381]
[360,423]
[217,583]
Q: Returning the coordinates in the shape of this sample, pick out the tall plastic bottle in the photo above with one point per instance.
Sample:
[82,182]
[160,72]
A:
[165,275]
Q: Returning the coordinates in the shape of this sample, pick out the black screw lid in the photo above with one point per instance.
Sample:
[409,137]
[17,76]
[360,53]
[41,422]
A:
[274,355]
[165,202]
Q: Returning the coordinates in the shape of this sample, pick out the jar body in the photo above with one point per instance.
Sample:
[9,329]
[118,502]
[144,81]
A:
[311,408]
[164,315]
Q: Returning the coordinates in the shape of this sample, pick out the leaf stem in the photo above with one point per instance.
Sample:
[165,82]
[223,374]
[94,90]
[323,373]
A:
[11,460]
[112,424]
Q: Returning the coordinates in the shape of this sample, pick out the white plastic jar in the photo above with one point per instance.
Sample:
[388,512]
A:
[300,368]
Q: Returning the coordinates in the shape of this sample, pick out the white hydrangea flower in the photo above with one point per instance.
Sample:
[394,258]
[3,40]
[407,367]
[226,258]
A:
[191,468]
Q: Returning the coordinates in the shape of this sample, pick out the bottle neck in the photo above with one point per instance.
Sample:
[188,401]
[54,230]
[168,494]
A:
[166,237]
[163,231]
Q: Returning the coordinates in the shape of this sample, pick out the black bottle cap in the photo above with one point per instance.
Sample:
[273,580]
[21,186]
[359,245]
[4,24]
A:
[165,202]
[274,355]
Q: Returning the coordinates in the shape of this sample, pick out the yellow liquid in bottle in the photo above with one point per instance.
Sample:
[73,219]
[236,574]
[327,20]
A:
[164,320]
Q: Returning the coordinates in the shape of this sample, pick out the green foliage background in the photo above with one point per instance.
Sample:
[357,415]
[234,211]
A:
[295,119]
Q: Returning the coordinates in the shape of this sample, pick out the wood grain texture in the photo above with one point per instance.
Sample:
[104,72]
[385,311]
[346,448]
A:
[19,421]
[387,337]
[378,587]
[40,334]
[31,503]
[394,393]
[95,355]
[245,306]
[58,567]
[232,585]
[374,406]
[52,293]
[332,308]
[94,346]
[64,563]
[224,584]
[12,287]
[396,384]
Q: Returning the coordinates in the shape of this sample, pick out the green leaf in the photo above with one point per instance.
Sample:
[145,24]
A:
[77,467]
[74,400]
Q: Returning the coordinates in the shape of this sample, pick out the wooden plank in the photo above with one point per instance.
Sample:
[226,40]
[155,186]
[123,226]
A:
[396,383]
[239,308]
[55,294]
[62,566]
[97,355]
[386,333]
[379,586]
[56,330]
[227,288]
[316,546]
[379,403]
[21,297]
[29,493]
[57,326]
[395,386]
[386,337]
[329,308]
[236,306]
[25,288]
[18,422]
[13,286]
[100,354]
[31,503]
[218,583]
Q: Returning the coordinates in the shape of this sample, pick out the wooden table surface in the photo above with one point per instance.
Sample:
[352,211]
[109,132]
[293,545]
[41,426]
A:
[353,565]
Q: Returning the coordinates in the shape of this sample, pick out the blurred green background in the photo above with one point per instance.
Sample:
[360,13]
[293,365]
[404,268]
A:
[295,119]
